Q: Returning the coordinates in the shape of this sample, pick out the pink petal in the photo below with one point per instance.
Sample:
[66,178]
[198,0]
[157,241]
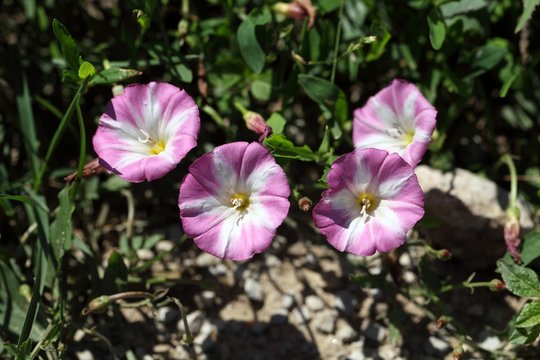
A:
[205,200]
[162,110]
[399,106]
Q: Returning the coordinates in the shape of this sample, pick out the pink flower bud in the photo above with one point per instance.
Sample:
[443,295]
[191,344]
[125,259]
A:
[497,285]
[441,322]
[255,122]
[305,204]
[91,168]
[444,254]
[298,9]
[511,234]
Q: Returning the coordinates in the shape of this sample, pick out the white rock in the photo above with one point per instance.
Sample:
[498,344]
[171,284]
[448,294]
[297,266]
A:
[374,331]
[438,345]
[388,352]
[168,314]
[468,206]
[195,321]
[164,245]
[302,314]
[218,269]
[356,355]
[207,336]
[272,261]
[325,322]
[345,332]
[253,290]
[145,254]
[409,277]
[491,343]
[314,303]
[206,260]
[288,301]
[405,260]
[85,355]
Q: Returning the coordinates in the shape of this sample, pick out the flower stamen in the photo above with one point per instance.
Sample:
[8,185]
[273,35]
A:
[148,138]
[394,132]
[368,203]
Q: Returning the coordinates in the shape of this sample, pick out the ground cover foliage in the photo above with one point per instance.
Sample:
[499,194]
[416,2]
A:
[71,250]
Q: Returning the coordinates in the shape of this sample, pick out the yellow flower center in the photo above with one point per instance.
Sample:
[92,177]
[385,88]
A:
[240,202]
[408,137]
[368,203]
[157,147]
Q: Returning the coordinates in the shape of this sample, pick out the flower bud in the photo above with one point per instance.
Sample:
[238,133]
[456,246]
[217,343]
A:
[97,305]
[441,322]
[443,254]
[255,122]
[298,9]
[305,204]
[497,285]
[511,233]
[91,168]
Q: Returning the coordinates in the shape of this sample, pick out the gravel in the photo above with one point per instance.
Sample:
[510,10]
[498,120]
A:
[253,290]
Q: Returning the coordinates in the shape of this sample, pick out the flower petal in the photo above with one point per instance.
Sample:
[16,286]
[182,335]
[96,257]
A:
[207,213]
[145,115]
[391,117]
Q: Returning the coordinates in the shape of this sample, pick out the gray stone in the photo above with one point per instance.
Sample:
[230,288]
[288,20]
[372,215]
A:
[85,355]
[168,314]
[195,321]
[302,314]
[345,333]
[206,260]
[346,302]
[218,269]
[469,206]
[491,343]
[374,331]
[356,355]
[253,290]
[207,336]
[272,261]
[436,346]
[325,322]
[314,303]
[288,301]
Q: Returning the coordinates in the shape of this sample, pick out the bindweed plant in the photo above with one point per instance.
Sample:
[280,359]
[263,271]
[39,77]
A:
[175,127]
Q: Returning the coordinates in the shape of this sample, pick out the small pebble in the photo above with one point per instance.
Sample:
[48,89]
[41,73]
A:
[374,331]
[85,355]
[491,343]
[207,336]
[206,260]
[436,346]
[288,301]
[168,314]
[314,303]
[405,260]
[145,254]
[253,290]
[345,333]
[325,322]
[409,277]
[164,245]
[272,261]
[302,314]
[218,269]
[195,321]
[346,302]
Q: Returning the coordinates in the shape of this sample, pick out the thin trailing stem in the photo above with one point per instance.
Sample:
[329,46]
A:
[338,38]
[59,132]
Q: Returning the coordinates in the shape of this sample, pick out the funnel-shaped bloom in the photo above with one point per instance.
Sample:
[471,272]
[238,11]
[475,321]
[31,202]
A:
[373,201]
[397,119]
[146,131]
[233,200]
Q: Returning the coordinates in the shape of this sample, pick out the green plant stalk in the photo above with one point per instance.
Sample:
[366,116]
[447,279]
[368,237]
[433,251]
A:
[464,285]
[507,160]
[338,39]
[59,132]
[82,151]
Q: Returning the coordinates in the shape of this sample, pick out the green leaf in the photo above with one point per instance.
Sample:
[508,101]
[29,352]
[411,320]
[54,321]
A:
[113,75]
[454,8]
[508,77]
[282,147]
[319,90]
[261,90]
[61,228]
[378,47]
[488,56]
[522,336]
[518,279]
[68,45]
[528,8]
[115,276]
[260,16]
[325,143]
[437,29]
[529,315]
[86,70]
[249,46]
[530,249]
[277,123]
[185,73]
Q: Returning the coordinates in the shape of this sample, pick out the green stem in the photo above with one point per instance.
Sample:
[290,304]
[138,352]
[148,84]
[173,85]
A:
[507,160]
[465,284]
[338,39]
[82,134]
[240,108]
[59,132]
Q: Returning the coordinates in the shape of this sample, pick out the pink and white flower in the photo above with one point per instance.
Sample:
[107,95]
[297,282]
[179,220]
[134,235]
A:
[373,201]
[146,131]
[397,119]
[233,200]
